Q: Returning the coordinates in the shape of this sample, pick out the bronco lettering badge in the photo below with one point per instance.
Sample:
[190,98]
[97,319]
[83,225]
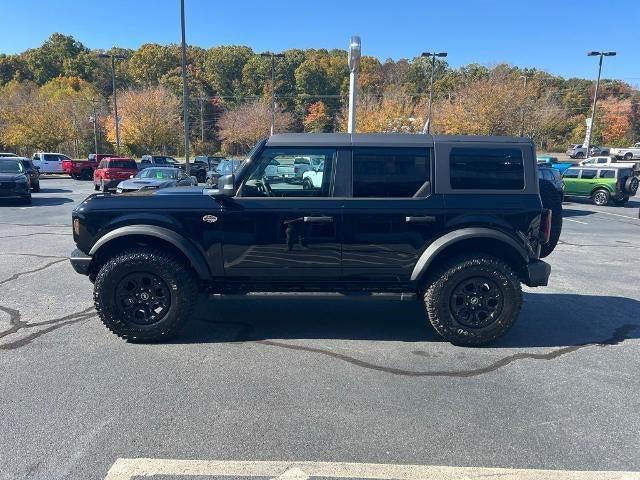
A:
[210,218]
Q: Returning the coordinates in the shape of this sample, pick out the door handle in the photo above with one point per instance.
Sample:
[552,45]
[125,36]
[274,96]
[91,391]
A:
[320,219]
[421,219]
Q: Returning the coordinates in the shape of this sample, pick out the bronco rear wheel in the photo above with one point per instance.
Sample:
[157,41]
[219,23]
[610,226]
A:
[144,294]
[473,299]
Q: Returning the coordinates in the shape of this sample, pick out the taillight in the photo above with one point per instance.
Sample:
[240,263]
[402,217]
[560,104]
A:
[106,174]
[545,228]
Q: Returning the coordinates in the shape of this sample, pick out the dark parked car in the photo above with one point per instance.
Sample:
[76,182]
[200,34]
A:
[456,222]
[14,181]
[32,172]
[154,178]
[553,176]
[225,167]
[203,164]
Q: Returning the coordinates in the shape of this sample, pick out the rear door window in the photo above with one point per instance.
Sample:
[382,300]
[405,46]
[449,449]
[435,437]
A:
[607,174]
[390,173]
[486,169]
[588,174]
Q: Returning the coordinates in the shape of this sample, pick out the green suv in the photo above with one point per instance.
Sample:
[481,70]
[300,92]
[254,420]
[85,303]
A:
[611,183]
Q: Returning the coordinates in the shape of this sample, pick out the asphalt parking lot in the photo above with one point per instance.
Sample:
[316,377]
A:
[316,379]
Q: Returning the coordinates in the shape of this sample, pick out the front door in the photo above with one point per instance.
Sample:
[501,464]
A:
[282,225]
[392,214]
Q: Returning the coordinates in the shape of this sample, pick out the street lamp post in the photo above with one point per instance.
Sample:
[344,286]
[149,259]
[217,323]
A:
[595,97]
[185,92]
[427,125]
[355,51]
[115,100]
[273,85]
[94,119]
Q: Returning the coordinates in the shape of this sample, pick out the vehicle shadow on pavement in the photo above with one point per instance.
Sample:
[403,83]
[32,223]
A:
[55,190]
[570,212]
[38,201]
[546,320]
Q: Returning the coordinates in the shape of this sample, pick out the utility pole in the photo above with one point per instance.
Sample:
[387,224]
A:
[202,118]
[595,98]
[427,125]
[185,93]
[94,118]
[115,100]
[523,103]
[355,51]
[273,85]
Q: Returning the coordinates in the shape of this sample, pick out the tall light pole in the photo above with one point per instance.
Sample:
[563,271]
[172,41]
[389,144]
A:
[523,100]
[185,92]
[595,97]
[115,100]
[273,85]
[427,125]
[355,51]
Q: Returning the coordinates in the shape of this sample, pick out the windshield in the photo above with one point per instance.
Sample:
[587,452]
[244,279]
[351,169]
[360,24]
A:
[10,166]
[128,164]
[159,173]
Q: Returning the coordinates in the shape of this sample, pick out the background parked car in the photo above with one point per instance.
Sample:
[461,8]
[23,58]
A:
[554,163]
[49,162]
[147,161]
[7,154]
[14,182]
[156,177]
[225,167]
[627,153]
[576,150]
[32,172]
[552,176]
[611,160]
[601,184]
[203,164]
[111,171]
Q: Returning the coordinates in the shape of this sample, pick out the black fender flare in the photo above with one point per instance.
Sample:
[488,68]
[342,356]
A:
[448,239]
[189,250]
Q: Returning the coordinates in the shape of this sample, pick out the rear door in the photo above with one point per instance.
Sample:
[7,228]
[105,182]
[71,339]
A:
[391,214]
[277,228]
[587,181]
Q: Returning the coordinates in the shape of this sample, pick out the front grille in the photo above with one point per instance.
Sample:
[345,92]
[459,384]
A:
[6,185]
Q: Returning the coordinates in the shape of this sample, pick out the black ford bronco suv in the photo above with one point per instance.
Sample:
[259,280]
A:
[455,220]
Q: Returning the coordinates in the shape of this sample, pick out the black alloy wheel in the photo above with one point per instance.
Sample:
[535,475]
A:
[142,298]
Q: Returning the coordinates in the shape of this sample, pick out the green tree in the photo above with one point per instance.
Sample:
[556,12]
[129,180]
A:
[223,68]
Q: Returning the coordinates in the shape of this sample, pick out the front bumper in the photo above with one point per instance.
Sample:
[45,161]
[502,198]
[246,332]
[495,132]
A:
[537,274]
[14,190]
[80,261]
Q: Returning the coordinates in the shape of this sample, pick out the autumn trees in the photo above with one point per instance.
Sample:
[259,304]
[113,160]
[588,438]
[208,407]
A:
[230,89]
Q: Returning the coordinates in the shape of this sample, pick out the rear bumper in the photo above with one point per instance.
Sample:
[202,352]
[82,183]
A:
[537,274]
[80,261]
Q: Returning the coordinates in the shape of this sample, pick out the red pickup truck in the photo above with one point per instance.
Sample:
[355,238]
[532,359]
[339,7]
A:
[83,169]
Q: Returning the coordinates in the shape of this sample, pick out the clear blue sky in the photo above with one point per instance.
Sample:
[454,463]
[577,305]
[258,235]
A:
[550,35]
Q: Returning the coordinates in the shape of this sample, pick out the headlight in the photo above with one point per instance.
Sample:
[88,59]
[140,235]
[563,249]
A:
[118,190]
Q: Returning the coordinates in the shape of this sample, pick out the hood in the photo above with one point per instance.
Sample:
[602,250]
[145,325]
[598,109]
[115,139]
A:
[10,177]
[139,183]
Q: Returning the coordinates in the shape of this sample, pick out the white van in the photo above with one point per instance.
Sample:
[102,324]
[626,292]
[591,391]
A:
[49,162]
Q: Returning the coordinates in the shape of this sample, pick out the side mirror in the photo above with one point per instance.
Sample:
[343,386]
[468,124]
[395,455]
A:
[225,187]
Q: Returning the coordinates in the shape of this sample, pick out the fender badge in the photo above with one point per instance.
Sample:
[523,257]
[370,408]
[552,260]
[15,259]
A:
[210,218]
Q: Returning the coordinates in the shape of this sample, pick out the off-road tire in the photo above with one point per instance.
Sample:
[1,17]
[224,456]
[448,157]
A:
[600,197]
[631,185]
[628,156]
[579,155]
[201,176]
[552,200]
[96,187]
[177,276]
[86,174]
[440,286]
[620,201]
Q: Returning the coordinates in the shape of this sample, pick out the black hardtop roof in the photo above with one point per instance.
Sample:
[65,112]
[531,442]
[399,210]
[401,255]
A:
[382,139]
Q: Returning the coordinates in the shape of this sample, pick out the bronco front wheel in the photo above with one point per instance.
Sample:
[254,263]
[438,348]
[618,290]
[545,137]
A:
[473,299]
[144,295]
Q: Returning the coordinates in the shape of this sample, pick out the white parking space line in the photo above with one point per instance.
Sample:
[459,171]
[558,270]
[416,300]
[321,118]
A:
[577,221]
[128,468]
[617,215]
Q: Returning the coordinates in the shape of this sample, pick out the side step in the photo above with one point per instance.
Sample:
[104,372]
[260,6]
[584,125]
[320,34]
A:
[402,296]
